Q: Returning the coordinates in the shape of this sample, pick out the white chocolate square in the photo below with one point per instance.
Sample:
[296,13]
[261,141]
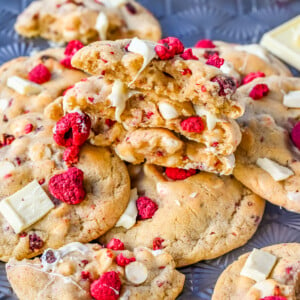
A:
[23,86]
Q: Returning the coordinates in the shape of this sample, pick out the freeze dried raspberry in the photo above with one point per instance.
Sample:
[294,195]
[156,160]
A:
[6,140]
[28,128]
[295,135]
[208,53]
[227,84]
[259,91]
[273,298]
[193,124]
[188,54]
[71,155]
[107,287]
[66,62]
[86,275]
[205,44]
[68,186]
[50,257]
[251,76]
[179,174]
[73,47]
[35,242]
[115,244]
[167,48]
[122,261]
[72,130]
[146,208]
[39,74]
[215,61]
[157,243]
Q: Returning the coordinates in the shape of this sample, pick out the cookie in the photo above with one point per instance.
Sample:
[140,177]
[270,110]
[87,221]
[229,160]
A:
[86,187]
[62,21]
[94,96]
[198,217]
[282,283]
[54,78]
[242,60]
[267,160]
[89,271]
[165,68]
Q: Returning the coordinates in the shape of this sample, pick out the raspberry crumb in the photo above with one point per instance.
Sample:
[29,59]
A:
[73,47]
[186,71]
[146,208]
[71,155]
[273,298]
[39,74]
[72,130]
[227,84]
[215,61]
[251,76]
[110,122]
[86,275]
[41,181]
[205,44]
[28,128]
[22,234]
[259,91]
[193,124]
[157,243]
[68,186]
[179,174]
[295,135]
[167,48]
[188,54]
[35,242]
[107,287]
[208,53]
[122,261]
[115,244]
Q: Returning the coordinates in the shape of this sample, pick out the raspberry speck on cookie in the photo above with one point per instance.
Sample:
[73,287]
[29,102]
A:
[39,74]
[295,135]
[122,261]
[72,130]
[35,242]
[227,84]
[215,60]
[157,243]
[68,186]
[167,48]
[115,244]
[28,128]
[205,44]
[146,208]
[273,298]
[251,76]
[188,54]
[179,174]
[193,124]
[107,287]
[259,91]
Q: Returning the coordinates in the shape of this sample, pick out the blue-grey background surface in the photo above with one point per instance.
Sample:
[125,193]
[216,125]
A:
[239,21]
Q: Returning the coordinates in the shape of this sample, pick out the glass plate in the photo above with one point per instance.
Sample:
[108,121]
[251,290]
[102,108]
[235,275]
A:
[239,21]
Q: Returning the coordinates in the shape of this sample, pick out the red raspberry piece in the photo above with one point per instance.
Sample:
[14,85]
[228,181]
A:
[208,53]
[122,261]
[28,128]
[251,76]
[72,130]
[215,61]
[35,242]
[73,47]
[259,91]
[131,8]
[115,244]
[179,174]
[66,62]
[68,186]
[6,140]
[295,135]
[273,298]
[188,54]
[71,155]
[193,124]
[157,243]
[106,287]
[109,122]
[227,84]
[146,208]
[39,74]
[167,48]
[205,44]
[86,275]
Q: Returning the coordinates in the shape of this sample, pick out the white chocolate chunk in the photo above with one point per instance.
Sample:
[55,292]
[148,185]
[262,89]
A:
[128,219]
[119,96]
[4,104]
[193,195]
[26,206]
[255,50]
[258,265]
[211,119]
[113,3]
[102,25]
[167,111]
[228,68]
[292,99]
[5,168]
[277,171]
[136,272]
[144,48]
[23,86]
[293,196]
